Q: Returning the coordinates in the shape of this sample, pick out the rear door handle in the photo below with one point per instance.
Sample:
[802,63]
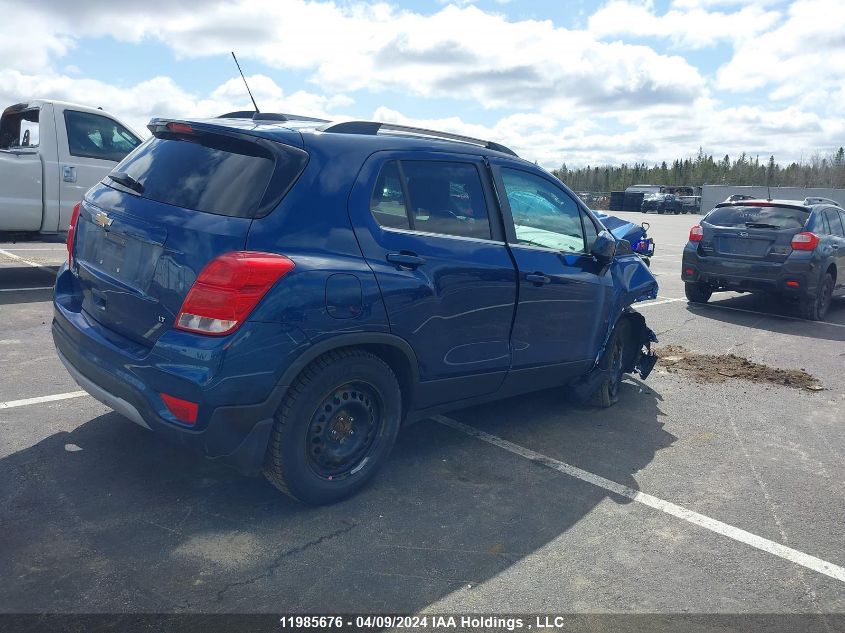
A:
[537,278]
[408,260]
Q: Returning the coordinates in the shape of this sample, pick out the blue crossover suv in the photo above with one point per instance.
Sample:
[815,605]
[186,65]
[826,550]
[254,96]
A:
[283,293]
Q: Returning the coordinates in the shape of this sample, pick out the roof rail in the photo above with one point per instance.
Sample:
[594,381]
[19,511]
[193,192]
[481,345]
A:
[269,116]
[816,200]
[374,127]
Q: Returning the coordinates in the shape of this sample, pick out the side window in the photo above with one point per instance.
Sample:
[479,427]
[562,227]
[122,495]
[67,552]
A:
[387,202]
[95,136]
[590,232]
[833,220]
[19,129]
[446,198]
[824,226]
[543,215]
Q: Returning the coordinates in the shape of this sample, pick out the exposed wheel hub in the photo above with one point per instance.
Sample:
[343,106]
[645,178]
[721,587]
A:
[343,430]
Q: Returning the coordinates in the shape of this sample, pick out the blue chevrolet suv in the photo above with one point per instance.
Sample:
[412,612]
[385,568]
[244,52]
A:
[791,248]
[282,293]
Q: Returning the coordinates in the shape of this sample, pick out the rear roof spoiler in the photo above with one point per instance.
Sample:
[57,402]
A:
[765,203]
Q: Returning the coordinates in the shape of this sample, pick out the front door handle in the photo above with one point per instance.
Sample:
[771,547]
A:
[538,278]
[407,260]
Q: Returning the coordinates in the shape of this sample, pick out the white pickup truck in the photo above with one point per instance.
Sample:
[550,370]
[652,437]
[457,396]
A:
[51,153]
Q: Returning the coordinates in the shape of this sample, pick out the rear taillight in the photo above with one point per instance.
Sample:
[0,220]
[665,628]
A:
[228,289]
[71,231]
[805,241]
[696,233]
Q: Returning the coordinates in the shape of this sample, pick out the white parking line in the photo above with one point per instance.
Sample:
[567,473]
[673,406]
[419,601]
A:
[656,302]
[28,262]
[11,404]
[60,248]
[22,289]
[782,551]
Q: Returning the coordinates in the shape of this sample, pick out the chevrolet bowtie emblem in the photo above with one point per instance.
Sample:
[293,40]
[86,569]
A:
[103,220]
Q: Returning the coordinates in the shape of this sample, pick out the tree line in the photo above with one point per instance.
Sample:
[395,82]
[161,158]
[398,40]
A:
[704,169]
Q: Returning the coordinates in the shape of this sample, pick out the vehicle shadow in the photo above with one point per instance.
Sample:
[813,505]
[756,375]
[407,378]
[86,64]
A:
[764,305]
[26,284]
[107,518]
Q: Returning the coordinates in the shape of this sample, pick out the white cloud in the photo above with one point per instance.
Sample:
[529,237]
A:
[457,52]
[162,97]
[575,95]
[690,24]
[803,59]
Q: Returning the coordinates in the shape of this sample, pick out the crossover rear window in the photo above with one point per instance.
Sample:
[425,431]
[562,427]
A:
[774,217]
[212,173]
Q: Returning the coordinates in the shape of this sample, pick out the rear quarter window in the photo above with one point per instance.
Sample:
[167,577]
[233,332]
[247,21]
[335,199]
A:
[778,217]
[94,136]
[214,173]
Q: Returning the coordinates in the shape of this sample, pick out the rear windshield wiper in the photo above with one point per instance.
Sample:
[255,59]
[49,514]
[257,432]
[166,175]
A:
[127,181]
[761,225]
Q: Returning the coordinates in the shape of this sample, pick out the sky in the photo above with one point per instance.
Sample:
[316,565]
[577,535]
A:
[581,82]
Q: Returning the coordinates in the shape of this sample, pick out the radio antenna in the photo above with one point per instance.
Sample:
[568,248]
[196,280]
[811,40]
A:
[257,111]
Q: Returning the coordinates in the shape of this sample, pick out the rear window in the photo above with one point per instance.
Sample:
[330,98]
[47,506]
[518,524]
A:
[19,129]
[212,173]
[774,217]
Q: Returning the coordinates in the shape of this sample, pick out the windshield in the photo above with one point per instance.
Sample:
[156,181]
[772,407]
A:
[770,217]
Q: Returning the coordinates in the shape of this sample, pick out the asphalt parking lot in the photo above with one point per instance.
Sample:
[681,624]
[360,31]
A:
[686,497]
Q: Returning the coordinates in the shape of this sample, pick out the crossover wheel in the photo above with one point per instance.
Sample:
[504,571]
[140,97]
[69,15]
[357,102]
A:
[334,428]
[697,292]
[615,356]
[815,306]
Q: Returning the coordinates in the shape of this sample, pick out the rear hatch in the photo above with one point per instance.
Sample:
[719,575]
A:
[759,232]
[184,197]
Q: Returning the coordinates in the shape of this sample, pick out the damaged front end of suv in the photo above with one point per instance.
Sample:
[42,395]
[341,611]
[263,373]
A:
[627,347]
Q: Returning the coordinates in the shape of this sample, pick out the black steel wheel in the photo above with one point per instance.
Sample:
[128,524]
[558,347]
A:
[335,427]
[613,362]
[697,292]
[343,429]
[815,306]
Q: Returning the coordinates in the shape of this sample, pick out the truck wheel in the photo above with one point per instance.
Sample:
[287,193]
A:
[614,359]
[334,428]
[815,306]
[697,292]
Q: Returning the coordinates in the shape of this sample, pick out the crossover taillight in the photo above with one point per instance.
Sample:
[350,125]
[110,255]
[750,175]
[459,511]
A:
[696,233]
[228,289]
[71,231]
[805,241]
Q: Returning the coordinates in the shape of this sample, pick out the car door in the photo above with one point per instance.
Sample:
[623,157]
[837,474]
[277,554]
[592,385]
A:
[21,169]
[90,145]
[564,293]
[428,227]
[837,243]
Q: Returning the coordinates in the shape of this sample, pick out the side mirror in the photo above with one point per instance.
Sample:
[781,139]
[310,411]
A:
[604,247]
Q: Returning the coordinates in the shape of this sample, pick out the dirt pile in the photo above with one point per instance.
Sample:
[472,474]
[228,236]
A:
[720,367]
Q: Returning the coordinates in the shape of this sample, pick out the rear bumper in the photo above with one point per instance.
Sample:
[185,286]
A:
[789,277]
[227,429]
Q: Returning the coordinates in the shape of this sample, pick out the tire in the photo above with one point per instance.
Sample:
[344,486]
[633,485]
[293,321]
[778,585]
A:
[614,359]
[697,292]
[314,454]
[814,307]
